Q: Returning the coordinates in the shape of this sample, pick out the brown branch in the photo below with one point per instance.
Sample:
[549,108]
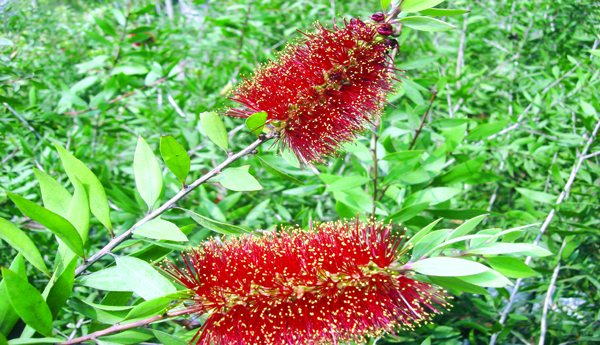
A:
[119,328]
[433,95]
[118,98]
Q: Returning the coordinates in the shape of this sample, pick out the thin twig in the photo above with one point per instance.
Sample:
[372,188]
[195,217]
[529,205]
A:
[118,98]
[174,104]
[185,191]
[118,54]
[548,301]
[119,328]
[11,155]
[561,78]
[433,95]
[461,48]
[563,195]
[374,139]
[244,27]
[16,80]
[23,120]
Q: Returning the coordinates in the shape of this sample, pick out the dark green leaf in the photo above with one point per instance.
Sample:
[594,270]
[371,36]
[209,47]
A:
[456,284]
[8,315]
[28,302]
[466,227]
[486,130]
[419,235]
[62,288]
[149,308]
[460,172]
[61,227]
[510,267]
[175,157]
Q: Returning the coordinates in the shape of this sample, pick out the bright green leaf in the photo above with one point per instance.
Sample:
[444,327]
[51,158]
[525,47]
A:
[107,279]
[215,129]
[484,131]
[448,267]
[537,196]
[346,183]
[239,179]
[23,244]
[489,278]
[142,278]
[418,5]
[256,122]
[466,227]
[175,157]
[407,213]
[221,228]
[54,196]
[161,230]
[8,315]
[510,267]
[426,24]
[432,195]
[276,172]
[428,243]
[510,248]
[148,175]
[442,12]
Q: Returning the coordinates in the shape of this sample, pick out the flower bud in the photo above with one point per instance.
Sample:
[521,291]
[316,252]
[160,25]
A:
[378,17]
[385,29]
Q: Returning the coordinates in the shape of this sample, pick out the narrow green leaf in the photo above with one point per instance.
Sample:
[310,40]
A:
[432,195]
[215,129]
[221,228]
[419,235]
[239,179]
[149,308]
[460,214]
[148,176]
[61,227]
[403,156]
[346,183]
[489,278]
[108,307]
[458,285]
[276,172]
[25,341]
[54,196]
[460,172]
[176,157]
[418,5]
[426,24]
[510,267]
[62,288]
[256,122]
[442,12]
[448,267]
[142,278]
[509,248]
[168,339]
[96,194]
[407,213]
[537,196]
[79,210]
[466,227]
[8,315]
[23,244]
[595,52]
[429,242]
[107,279]
[161,230]
[486,130]
[28,302]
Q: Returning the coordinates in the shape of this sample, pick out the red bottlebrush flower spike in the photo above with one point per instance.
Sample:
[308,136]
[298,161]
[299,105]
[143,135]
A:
[323,91]
[330,284]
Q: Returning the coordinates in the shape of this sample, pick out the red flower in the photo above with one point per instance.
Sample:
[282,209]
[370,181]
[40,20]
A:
[326,285]
[322,91]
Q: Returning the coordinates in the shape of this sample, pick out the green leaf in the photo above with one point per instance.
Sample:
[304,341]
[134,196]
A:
[129,70]
[460,172]
[448,267]
[458,285]
[537,196]
[429,242]
[276,172]
[510,267]
[62,288]
[256,122]
[489,278]
[54,196]
[25,341]
[175,157]
[142,278]
[148,176]
[441,12]
[432,195]
[484,131]
[107,279]
[460,214]
[239,179]
[466,227]
[595,52]
[346,183]
[62,228]
[161,230]
[385,4]
[28,302]
[96,193]
[134,336]
[168,339]
[426,24]
[403,156]
[79,211]
[221,228]
[509,248]
[419,235]
[149,308]
[418,5]
[407,213]
[5,42]
[8,315]
[23,244]
[215,129]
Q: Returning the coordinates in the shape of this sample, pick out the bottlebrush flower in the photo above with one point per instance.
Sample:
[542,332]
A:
[329,284]
[323,90]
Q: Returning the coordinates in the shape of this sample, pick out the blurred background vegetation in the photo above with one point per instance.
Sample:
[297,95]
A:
[516,75]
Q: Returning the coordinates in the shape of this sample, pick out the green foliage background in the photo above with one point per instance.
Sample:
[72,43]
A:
[517,75]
